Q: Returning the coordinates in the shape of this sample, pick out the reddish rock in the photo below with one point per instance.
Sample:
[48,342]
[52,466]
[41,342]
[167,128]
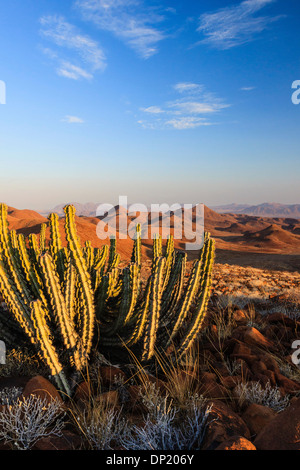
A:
[108,375]
[42,388]
[134,403]
[283,432]
[220,369]
[258,367]
[289,385]
[83,392]
[253,337]
[223,424]
[230,382]
[240,349]
[271,377]
[261,378]
[207,377]
[280,318]
[67,441]
[109,399]
[214,391]
[257,417]
[239,316]
[236,443]
[270,362]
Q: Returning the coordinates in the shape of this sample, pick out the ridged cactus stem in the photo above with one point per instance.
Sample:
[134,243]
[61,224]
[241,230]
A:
[154,308]
[48,352]
[84,278]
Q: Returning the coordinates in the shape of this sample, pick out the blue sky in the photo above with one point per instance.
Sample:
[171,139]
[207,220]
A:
[162,101]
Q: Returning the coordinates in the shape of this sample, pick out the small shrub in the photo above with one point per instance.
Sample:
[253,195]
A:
[166,428]
[268,396]
[103,427]
[27,420]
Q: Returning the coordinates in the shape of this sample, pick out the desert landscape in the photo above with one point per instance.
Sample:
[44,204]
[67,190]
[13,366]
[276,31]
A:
[149,229]
[239,365]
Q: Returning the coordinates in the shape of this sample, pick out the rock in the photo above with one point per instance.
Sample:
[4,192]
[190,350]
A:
[271,377]
[261,378]
[236,443]
[214,391]
[221,369]
[109,399]
[109,375]
[280,318]
[258,367]
[67,441]
[283,432]
[223,424]
[239,316]
[42,388]
[230,382]
[270,362]
[257,417]
[289,385]
[134,403]
[253,337]
[240,349]
[83,392]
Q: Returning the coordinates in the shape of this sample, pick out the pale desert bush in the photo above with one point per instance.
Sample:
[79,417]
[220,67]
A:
[27,420]
[103,427]
[268,396]
[165,428]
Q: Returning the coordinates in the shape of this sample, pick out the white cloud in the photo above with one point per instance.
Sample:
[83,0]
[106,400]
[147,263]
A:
[153,110]
[69,70]
[235,25]
[197,107]
[187,123]
[87,57]
[73,120]
[248,88]
[127,20]
[189,111]
[188,87]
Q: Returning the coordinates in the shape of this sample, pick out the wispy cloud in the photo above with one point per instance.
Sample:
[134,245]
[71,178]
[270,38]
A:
[187,123]
[87,56]
[68,70]
[235,25]
[72,120]
[187,87]
[129,20]
[247,88]
[193,108]
[153,110]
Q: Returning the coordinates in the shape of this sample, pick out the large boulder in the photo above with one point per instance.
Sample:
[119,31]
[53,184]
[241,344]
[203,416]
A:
[42,388]
[223,424]
[257,417]
[236,443]
[282,432]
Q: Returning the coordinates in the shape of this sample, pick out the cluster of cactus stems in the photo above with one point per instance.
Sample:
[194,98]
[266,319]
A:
[60,298]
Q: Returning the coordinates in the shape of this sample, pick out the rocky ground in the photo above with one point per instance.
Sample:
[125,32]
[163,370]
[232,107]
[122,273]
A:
[242,366]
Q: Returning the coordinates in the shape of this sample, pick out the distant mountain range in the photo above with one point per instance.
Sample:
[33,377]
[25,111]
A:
[261,210]
[87,210]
